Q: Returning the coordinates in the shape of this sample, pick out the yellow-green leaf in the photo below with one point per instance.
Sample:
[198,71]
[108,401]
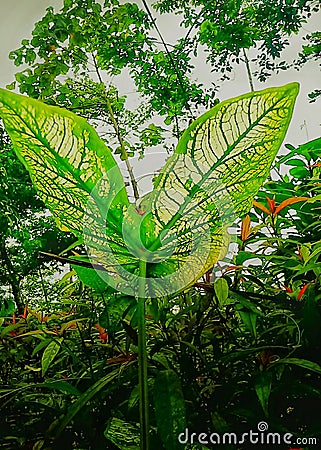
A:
[221,290]
[219,165]
[49,355]
[69,165]
[180,228]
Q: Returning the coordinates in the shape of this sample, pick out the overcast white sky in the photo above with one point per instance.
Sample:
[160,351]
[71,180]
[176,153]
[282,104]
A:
[18,17]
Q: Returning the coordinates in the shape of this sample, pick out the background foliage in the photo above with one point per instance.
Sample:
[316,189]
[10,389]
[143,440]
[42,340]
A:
[242,344]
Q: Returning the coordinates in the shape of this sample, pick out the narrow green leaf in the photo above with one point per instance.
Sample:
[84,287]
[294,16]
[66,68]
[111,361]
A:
[306,268]
[304,363]
[296,162]
[310,149]
[115,307]
[49,355]
[161,360]
[220,424]
[61,386]
[90,278]
[6,330]
[40,346]
[58,425]
[263,384]
[315,199]
[311,316]
[169,408]
[246,303]
[242,256]
[134,397]
[249,319]
[316,252]
[241,354]
[194,349]
[39,445]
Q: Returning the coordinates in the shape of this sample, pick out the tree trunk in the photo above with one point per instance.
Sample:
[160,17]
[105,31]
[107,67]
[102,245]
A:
[13,278]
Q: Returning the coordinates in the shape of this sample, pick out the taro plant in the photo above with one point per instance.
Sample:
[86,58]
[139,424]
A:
[162,244]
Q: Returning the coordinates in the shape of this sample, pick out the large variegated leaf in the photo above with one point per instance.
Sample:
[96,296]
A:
[219,165]
[180,228]
[66,159]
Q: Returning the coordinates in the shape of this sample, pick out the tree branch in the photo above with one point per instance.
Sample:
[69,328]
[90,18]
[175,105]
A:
[124,154]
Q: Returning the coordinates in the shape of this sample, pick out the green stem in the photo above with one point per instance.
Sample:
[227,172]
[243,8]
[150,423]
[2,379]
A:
[142,361]
[123,150]
[248,69]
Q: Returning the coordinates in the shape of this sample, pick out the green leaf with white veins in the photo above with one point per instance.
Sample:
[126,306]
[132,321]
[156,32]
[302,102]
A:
[218,166]
[66,159]
[180,228]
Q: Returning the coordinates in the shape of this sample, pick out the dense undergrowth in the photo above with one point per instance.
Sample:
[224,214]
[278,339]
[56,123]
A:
[245,347]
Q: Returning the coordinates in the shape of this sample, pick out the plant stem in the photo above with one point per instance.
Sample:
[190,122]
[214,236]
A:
[124,154]
[142,361]
[248,69]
